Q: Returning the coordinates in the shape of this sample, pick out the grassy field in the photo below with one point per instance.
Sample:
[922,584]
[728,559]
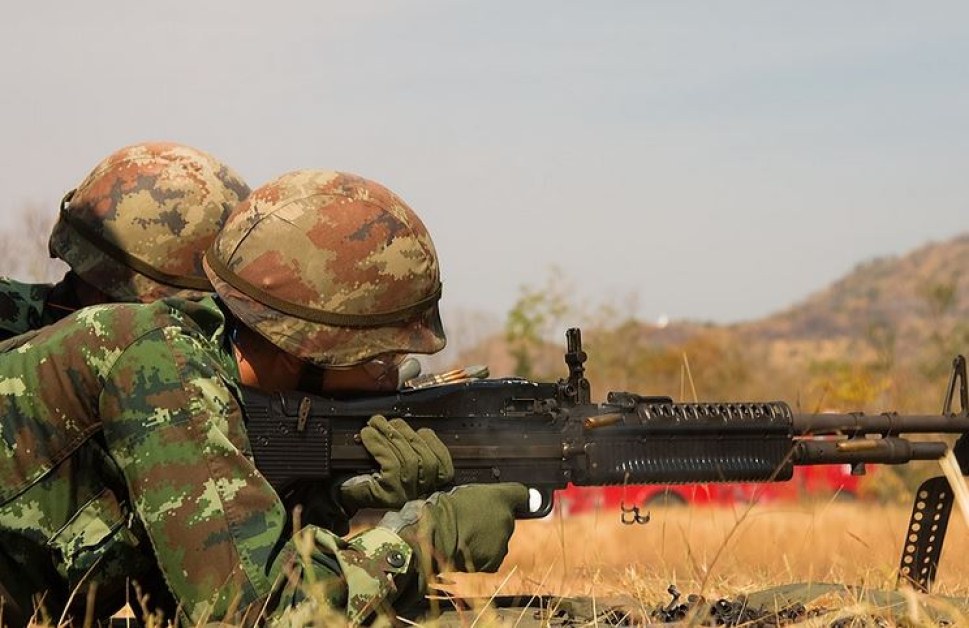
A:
[716,551]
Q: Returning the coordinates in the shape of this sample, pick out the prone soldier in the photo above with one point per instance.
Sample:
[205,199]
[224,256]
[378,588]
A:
[126,457]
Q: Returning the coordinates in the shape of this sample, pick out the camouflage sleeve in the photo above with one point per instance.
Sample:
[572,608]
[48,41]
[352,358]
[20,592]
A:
[217,529]
[377,552]
[21,307]
[375,565]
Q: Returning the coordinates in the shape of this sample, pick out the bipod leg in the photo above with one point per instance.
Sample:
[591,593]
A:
[926,533]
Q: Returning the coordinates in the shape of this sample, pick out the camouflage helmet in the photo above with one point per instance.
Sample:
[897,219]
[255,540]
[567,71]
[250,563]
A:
[138,226]
[331,268]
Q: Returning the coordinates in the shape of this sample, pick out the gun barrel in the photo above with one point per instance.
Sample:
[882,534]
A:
[857,423]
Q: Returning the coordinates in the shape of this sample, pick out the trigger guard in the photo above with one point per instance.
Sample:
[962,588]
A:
[544,510]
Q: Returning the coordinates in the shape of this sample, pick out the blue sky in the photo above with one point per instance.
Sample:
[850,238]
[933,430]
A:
[719,161]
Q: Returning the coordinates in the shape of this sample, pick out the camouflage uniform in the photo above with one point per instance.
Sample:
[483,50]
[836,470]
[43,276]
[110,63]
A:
[125,449]
[27,306]
[136,229]
[125,455]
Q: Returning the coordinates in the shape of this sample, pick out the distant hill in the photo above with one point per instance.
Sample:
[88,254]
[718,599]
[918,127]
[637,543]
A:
[889,327]
[896,291]
[903,299]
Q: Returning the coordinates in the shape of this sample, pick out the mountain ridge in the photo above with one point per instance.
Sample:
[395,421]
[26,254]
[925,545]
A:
[890,290]
[888,328]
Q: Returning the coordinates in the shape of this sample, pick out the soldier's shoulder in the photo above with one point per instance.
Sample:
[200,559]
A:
[132,320]
[97,336]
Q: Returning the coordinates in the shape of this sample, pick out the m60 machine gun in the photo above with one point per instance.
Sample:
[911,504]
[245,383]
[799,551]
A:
[546,435]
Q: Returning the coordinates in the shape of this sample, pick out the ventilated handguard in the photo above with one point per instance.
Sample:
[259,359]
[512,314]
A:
[691,442]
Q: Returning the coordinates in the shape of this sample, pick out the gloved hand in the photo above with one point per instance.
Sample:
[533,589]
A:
[411,465]
[466,529]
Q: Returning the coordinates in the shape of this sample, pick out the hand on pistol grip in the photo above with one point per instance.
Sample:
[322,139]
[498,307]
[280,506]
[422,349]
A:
[410,465]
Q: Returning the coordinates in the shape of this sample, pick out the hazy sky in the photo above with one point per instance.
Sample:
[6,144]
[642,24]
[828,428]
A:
[719,160]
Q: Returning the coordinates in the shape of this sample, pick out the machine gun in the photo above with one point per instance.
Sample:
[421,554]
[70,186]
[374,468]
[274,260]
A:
[547,435]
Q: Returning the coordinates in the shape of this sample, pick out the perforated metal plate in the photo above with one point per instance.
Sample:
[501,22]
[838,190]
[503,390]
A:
[926,533]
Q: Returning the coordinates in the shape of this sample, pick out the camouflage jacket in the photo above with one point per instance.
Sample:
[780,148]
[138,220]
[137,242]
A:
[123,454]
[28,306]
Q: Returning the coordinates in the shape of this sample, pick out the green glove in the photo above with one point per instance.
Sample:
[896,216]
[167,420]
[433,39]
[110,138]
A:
[466,529]
[411,465]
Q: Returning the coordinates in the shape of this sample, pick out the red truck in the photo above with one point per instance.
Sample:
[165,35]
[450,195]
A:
[824,481]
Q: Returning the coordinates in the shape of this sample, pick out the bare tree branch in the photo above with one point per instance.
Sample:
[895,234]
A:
[23,248]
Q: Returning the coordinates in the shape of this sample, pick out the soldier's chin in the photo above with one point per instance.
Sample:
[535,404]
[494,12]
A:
[354,381]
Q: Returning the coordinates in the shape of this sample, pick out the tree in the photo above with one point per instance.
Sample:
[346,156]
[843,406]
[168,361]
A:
[532,322]
[23,248]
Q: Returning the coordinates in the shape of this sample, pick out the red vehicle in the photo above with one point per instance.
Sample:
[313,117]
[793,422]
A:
[818,481]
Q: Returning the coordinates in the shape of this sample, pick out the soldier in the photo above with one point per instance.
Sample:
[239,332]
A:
[135,230]
[125,455]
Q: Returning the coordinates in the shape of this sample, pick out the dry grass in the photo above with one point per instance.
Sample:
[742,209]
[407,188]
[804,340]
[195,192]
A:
[719,551]
[714,551]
